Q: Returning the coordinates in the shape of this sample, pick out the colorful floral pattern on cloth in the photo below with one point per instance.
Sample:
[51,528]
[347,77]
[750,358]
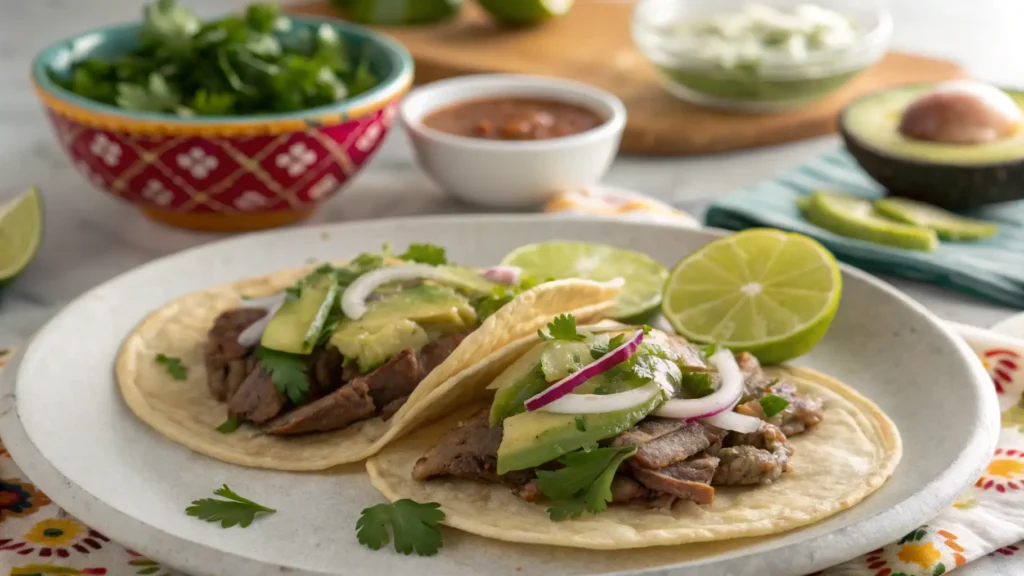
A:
[982,531]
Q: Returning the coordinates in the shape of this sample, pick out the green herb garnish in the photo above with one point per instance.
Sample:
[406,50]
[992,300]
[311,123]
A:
[501,295]
[563,327]
[656,368]
[601,348]
[584,483]
[413,524]
[425,254]
[647,329]
[772,404]
[348,273]
[581,423]
[287,372]
[710,350]
[696,384]
[174,367]
[233,510]
[229,425]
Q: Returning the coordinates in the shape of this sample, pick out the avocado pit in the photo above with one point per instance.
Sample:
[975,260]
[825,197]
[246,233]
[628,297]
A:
[961,112]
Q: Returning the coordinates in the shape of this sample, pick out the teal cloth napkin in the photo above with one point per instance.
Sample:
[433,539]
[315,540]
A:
[992,268]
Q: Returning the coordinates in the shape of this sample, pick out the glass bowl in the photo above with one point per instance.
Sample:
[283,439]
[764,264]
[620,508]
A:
[775,84]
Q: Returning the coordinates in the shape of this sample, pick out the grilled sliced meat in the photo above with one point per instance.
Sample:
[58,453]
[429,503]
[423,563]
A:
[757,458]
[664,441]
[802,413]
[381,392]
[392,407]
[626,490]
[687,480]
[348,404]
[325,369]
[257,399]
[227,365]
[470,451]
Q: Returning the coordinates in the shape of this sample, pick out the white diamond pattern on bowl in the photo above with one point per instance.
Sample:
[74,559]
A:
[198,163]
[297,159]
[369,137]
[157,193]
[323,187]
[105,149]
[250,200]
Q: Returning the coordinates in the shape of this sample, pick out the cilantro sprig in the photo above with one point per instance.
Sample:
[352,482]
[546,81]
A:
[251,63]
[563,327]
[413,524]
[584,482]
[601,348]
[772,404]
[696,384]
[229,425]
[287,371]
[173,365]
[425,254]
[501,295]
[231,510]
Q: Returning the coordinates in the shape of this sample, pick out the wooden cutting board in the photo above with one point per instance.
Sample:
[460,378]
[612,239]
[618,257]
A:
[592,44]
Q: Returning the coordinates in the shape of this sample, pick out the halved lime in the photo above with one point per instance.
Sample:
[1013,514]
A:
[855,217]
[564,259]
[763,291]
[21,229]
[524,12]
[948,225]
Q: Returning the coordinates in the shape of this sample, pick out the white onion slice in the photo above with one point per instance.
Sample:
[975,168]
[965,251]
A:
[735,421]
[721,400]
[254,332]
[265,302]
[575,380]
[600,403]
[353,301]
[507,275]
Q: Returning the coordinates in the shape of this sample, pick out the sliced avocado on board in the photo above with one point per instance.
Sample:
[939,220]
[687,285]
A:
[947,225]
[953,176]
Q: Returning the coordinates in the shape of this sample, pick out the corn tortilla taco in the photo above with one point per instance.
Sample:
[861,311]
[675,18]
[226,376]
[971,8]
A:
[309,368]
[625,459]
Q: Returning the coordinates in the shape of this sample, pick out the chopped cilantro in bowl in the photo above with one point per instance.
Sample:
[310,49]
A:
[252,63]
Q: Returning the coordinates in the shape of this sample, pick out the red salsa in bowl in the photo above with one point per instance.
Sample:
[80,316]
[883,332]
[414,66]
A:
[513,119]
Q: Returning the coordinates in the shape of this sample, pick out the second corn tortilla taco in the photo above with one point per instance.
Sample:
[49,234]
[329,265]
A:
[185,410]
[837,452]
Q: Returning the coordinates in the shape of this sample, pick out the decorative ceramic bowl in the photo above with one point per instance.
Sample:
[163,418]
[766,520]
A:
[222,172]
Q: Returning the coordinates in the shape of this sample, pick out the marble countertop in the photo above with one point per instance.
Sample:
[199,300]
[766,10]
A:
[90,237]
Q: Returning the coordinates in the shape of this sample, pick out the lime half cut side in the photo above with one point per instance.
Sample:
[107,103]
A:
[525,12]
[644,276]
[21,229]
[771,293]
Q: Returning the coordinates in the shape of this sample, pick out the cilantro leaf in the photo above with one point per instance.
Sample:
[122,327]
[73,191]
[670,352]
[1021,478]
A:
[230,425]
[174,367]
[233,510]
[696,384]
[647,329]
[772,404]
[601,348]
[581,423]
[501,295]
[413,524]
[710,350]
[350,271]
[155,96]
[425,254]
[584,481]
[654,367]
[287,371]
[563,327]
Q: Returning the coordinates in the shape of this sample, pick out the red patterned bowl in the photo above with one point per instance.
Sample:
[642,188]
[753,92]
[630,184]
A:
[224,173]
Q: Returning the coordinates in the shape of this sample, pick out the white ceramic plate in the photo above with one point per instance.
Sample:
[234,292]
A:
[1012,326]
[65,424]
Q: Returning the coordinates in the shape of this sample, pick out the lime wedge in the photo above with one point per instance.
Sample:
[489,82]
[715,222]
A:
[563,259]
[767,292]
[21,229]
[524,12]
[855,217]
[948,225]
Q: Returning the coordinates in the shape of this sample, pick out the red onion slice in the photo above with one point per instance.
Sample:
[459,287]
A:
[573,381]
[735,421]
[601,403]
[353,301]
[507,275]
[254,332]
[723,399]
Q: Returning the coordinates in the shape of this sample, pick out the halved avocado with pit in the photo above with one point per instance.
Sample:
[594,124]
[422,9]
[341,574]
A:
[953,176]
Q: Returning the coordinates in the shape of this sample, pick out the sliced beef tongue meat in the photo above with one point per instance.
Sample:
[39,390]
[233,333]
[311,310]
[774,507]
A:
[801,413]
[757,458]
[227,362]
[381,392]
[257,399]
[664,441]
[686,480]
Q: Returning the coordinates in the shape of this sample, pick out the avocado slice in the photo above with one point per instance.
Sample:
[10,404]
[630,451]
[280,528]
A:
[953,176]
[533,438]
[948,225]
[296,327]
[855,217]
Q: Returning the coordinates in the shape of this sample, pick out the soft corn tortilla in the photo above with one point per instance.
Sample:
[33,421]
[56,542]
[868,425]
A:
[186,412]
[834,466]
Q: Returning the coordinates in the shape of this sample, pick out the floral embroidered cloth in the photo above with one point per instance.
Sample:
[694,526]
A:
[982,531]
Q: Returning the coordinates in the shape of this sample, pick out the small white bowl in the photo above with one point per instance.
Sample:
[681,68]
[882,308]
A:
[507,173]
